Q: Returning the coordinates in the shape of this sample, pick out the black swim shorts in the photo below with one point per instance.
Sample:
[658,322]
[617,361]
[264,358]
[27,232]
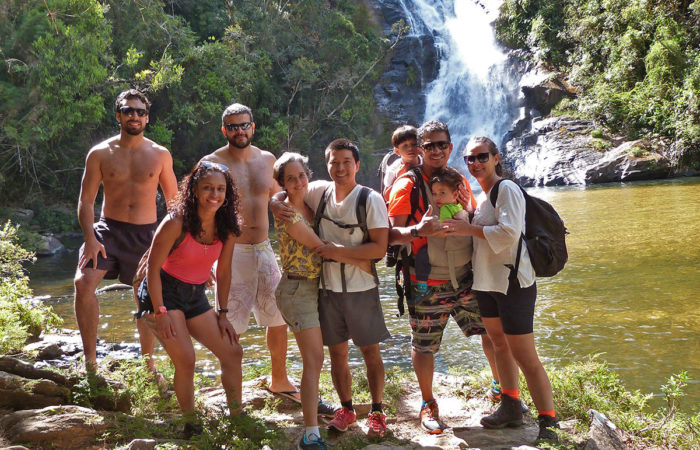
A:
[191,299]
[516,308]
[125,244]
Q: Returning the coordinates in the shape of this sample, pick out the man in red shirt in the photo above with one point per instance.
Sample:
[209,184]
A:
[450,279]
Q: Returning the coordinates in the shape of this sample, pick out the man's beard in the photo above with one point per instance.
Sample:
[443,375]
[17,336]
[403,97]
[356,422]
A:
[131,130]
[246,141]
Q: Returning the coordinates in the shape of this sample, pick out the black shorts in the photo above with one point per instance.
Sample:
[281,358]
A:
[191,299]
[516,308]
[125,244]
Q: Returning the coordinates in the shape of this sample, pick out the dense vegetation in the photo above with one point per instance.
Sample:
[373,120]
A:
[635,62]
[305,67]
[20,318]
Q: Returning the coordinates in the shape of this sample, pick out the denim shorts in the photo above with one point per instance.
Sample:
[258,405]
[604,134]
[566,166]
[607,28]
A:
[191,299]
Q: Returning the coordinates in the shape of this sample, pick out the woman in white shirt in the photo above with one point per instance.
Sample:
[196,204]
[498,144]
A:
[507,303]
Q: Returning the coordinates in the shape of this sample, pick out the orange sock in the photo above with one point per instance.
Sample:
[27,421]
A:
[512,393]
[549,413]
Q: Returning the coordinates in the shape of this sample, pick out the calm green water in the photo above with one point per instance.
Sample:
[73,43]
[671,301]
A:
[631,291]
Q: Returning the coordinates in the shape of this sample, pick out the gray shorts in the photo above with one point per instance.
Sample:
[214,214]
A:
[297,300]
[352,315]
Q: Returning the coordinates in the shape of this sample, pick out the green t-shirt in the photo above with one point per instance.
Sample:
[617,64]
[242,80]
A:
[449,210]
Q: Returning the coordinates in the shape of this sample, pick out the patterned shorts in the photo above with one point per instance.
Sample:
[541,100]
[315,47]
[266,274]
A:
[430,312]
[254,278]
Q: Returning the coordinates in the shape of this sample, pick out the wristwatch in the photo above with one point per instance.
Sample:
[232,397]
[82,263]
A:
[161,311]
[222,310]
[414,232]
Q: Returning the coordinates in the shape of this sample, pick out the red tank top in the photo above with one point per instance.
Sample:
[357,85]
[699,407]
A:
[191,261]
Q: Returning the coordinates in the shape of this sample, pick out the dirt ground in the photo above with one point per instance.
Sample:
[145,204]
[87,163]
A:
[404,431]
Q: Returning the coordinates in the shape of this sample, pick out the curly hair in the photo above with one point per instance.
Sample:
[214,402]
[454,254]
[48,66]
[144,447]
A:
[131,93]
[185,205]
[448,176]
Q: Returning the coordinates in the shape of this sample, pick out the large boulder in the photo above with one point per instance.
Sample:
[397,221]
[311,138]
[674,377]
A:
[68,427]
[49,245]
[17,392]
[563,151]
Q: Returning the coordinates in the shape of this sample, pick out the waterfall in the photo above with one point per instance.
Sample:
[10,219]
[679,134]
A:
[476,92]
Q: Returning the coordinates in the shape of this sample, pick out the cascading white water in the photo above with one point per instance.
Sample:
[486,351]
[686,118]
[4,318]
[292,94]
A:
[475,92]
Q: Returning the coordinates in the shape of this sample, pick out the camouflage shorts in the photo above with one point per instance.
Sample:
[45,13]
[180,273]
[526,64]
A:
[430,312]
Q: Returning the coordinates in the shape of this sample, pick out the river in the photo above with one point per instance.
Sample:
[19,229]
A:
[629,291]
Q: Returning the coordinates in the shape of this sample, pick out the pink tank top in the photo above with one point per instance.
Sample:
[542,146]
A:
[191,261]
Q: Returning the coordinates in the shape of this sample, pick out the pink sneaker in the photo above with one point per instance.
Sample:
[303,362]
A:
[342,419]
[376,422]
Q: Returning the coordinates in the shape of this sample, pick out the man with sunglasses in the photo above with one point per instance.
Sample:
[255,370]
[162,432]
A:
[130,168]
[450,277]
[254,270]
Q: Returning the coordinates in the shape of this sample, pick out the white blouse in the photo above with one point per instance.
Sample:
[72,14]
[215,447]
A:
[503,226]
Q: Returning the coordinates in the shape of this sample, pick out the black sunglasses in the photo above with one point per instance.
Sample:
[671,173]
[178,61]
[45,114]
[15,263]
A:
[238,126]
[481,157]
[439,145]
[214,165]
[128,110]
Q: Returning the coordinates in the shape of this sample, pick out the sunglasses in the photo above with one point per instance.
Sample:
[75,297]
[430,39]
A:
[238,126]
[481,157]
[128,110]
[437,145]
[214,165]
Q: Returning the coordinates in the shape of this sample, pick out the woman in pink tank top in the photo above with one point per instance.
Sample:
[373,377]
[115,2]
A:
[201,228]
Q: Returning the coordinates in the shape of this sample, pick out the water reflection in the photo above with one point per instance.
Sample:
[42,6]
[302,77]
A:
[630,291]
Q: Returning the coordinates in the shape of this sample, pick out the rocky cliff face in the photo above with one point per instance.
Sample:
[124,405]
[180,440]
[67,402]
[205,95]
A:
[415,62]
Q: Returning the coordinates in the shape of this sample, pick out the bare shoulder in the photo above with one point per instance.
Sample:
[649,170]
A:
[103,147]
[158,149]
[267,157]
[217,156]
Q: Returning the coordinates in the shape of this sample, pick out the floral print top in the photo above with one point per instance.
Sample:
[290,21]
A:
[296,258]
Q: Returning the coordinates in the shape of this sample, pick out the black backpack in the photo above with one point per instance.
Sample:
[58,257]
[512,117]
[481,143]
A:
[545,236]
[361,214]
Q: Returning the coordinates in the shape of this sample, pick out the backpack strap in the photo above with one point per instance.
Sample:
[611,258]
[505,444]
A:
[493,196]
[361,213]
[317,225]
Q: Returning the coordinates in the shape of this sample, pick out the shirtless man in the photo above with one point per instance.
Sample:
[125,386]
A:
[130,168]
[255,273]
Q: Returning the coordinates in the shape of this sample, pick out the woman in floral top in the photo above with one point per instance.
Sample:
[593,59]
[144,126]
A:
[297,292]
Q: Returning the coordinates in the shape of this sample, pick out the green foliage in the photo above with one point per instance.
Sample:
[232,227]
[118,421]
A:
[20,318]
[55,220]
[637,62]
[225,431]
[308,78]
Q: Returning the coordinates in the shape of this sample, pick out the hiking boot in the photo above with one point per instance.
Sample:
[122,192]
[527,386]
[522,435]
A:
[430,418]
[342,419]
[326,409]
[494,394]
[376,422]
[547,426]
[318,444]
[508,414]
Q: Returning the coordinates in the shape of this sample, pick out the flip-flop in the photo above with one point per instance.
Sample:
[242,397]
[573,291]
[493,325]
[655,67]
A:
[288,394]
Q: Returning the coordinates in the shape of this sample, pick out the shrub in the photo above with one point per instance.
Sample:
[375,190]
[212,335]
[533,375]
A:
[20,317]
